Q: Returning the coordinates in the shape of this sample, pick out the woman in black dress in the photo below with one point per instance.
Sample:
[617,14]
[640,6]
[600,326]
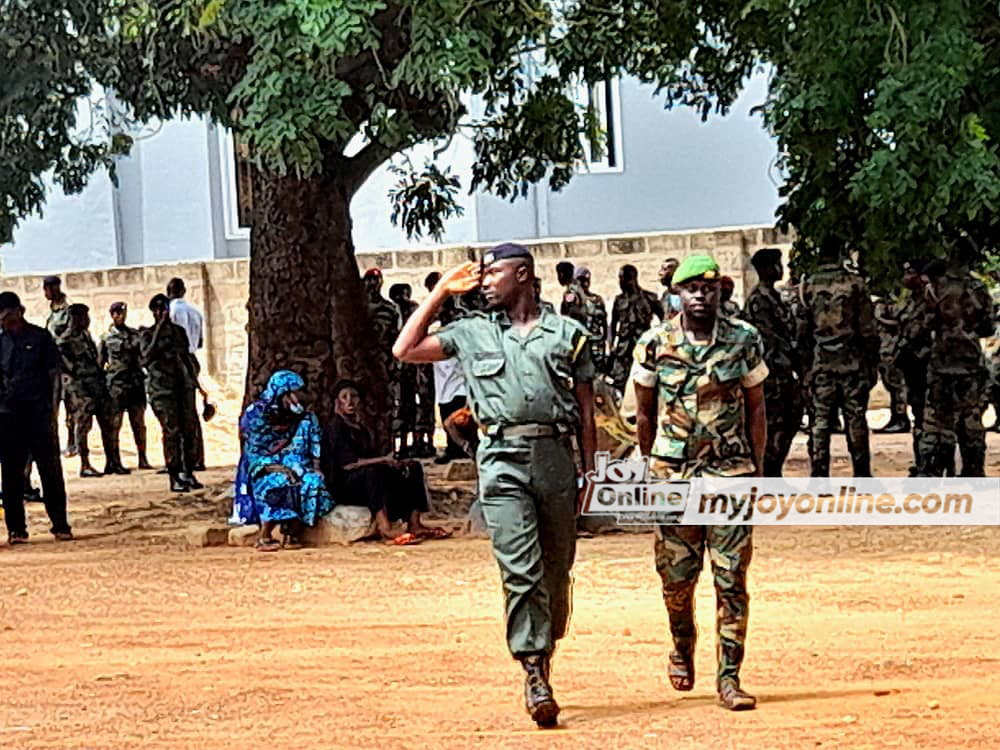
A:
[393,490]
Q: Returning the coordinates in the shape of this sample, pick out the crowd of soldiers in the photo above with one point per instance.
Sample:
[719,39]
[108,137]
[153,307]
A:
[827,340]
[104,379]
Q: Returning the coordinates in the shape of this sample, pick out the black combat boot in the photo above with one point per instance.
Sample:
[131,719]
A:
[898,423]
[734,698]
[538,698]
[177,483]
[190,481]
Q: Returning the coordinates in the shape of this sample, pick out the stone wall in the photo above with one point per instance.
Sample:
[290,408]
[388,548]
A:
[219,288]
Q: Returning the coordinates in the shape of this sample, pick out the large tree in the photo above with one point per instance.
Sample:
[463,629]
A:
[322,92]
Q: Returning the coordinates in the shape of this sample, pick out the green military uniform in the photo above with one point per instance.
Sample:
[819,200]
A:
[772,317]
[633,314]
[839,349]
[574,302]
[415,412]
[87,395]
[702,431]
[520,384]
[120,356]
[170,388]
[57,324]
[956,378]
[887,325]
[597,327]
[911,356]
[385,317]
[730,309]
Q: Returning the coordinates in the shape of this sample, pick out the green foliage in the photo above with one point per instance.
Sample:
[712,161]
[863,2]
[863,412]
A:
[423,201]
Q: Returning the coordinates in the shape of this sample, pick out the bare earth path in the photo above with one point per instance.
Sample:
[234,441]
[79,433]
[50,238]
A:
[874,638]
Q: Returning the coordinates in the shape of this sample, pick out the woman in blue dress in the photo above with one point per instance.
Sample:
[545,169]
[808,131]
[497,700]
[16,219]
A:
[279,482]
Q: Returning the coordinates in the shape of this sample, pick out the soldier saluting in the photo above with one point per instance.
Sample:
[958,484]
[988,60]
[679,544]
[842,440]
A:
[528,374]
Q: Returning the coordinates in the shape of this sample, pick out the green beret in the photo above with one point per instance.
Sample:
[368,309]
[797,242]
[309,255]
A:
[696,266]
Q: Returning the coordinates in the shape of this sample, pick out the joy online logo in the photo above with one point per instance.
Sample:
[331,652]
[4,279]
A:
[624,488]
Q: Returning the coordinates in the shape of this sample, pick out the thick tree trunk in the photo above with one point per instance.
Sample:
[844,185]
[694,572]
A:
[307,310]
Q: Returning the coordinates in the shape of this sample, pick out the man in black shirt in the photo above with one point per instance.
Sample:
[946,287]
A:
[30,369]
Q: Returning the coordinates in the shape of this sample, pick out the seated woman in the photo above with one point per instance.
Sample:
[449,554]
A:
[279,481]
[393,490]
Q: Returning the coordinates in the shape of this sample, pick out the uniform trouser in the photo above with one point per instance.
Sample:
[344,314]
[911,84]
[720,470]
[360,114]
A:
[528,494]
[915,377]
[199,436]
[64,397]
[137,421]
[405,415]
[84,410]
[954,414]
[22,434]
[895,386]
[848,391]
[177,417]
[680,553]
[783,406]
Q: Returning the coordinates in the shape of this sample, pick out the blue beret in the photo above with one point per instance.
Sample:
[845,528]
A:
[504,252]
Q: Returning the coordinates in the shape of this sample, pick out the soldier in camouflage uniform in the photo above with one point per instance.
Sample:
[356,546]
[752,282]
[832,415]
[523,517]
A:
[58,324]
[385,318]
[631,316]
[887,325]
[574,301]
[415,414]
[839,350]
[960,312]
[87,393]
[542,303]
[668,299]
[700,412]
[120,359]
[727,287]
[772,317]
[170,388]
[596,323]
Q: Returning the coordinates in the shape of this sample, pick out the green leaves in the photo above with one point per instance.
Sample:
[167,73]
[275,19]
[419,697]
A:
[423,201]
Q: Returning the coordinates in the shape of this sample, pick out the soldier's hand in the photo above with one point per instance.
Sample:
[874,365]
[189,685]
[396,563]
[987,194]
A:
[459,280]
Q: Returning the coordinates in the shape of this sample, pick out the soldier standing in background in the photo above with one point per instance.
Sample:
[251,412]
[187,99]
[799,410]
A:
[574,301]
[385,319]
[726,305]
[58,324]
[188,317]
[913,350]
[121,360]
[87,393]
[631,316]
[597,321]
[416,392]
[960,312]
[542,304]
[669,300]
[887,325]
[836,328]
[170,387]
[700,412]
[772,317]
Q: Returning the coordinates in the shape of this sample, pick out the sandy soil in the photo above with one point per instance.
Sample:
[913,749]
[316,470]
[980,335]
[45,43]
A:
[877,637]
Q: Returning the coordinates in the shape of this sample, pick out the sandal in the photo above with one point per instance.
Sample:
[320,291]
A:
[267,545]
[406,540]
[681,672]
[434,532]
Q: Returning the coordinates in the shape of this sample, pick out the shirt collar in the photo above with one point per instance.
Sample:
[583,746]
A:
[546,319]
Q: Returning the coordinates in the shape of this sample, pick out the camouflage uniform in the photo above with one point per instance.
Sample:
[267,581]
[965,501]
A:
[170,389]
[58,324]
[633,314]
[574,302]
[597,327]
[911,356]
[839,348]
[956,379]
[772,317]
[887,325]
[702,431]
[121,359]
[87,395]
[729,308]
[385,317]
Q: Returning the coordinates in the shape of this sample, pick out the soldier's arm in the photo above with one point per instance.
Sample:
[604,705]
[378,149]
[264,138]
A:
[414,345]
[866,327]
[613,328]
[756,424]
[53,367]
[645,417]
[804,331]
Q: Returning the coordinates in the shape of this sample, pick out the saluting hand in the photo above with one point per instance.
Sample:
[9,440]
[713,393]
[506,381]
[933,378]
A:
[459,280]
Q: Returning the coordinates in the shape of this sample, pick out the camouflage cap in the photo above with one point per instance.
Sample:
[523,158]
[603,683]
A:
[696,267]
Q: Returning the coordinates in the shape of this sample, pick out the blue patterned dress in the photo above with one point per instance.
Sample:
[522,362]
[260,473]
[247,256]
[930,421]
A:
[262,496]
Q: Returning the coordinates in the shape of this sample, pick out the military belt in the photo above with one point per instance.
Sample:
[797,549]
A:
[527,430]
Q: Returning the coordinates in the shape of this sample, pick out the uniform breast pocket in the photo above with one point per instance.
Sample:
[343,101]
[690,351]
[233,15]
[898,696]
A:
[488,365]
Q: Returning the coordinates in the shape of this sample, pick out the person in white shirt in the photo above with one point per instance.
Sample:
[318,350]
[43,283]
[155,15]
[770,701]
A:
[188,317]
[450,394]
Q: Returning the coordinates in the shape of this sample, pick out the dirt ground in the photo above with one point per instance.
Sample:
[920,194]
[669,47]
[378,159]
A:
[859,637]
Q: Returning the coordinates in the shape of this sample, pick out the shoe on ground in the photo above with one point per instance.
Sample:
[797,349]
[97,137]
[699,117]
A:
[90,472]
[69,452]
[178,485]
[200,467]
[191,482]
[538,698]
[17,537]
[120,470]
[32,495]
[734,698]
[144,466]
[894,427]
[63,536]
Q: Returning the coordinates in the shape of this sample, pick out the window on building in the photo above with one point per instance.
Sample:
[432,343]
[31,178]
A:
[603,153]
[244,181]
